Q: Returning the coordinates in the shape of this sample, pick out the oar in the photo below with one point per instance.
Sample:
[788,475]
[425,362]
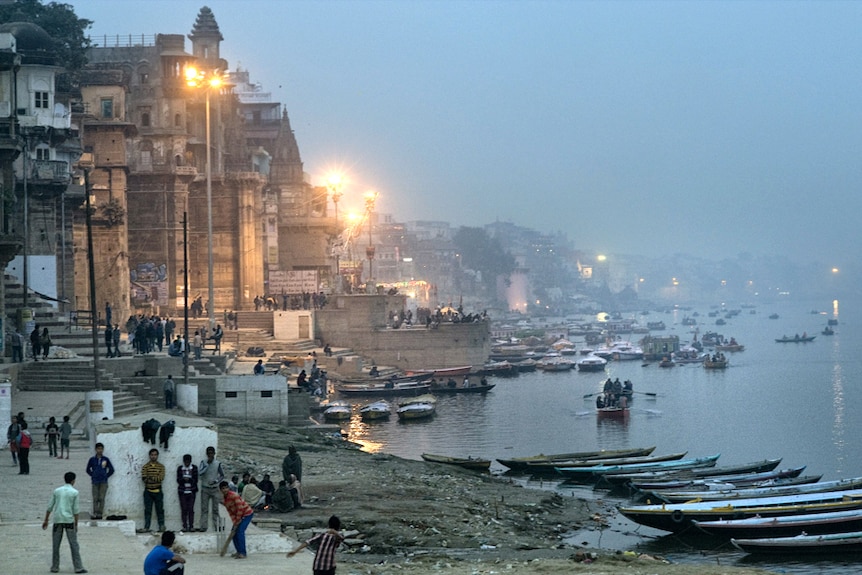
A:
[589,395]
[646,393]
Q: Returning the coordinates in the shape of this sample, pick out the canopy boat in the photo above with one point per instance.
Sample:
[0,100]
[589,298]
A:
[474,463]
[795,339]
[443,372]
[849,542]
[522,462]
[596,471]
[551,464]
[676,517]
[375,411]
[748,493]
[389,387]
[337,411]
[784,526]
[591,363]
[420,407]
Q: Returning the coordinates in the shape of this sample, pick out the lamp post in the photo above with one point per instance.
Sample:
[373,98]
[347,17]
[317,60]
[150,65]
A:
[370,198]
[86,163]
[207,81]
[334,185]
[185,298]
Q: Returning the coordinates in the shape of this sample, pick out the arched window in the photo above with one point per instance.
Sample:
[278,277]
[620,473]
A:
[178,120]
[145,120]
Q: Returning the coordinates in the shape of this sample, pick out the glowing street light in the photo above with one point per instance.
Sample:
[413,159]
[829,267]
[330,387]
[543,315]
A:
[207,82]
[333,183]
[370,199]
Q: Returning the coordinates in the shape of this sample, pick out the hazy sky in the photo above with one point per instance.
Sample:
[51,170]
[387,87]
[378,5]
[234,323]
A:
[633,127]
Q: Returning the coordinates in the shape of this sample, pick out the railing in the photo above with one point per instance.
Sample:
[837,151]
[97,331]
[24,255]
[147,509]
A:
[41,171]
[81,318]
[123,40]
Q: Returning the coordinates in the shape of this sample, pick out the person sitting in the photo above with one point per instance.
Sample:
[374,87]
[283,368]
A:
[600,403]
[627,386]
[451,383]
[374,372]
[176,348]
[282,502]
[253,495]
[302,379]
[267,487]
[161,560]
[295,490]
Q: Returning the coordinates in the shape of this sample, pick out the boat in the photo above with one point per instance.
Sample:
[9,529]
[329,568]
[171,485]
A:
[627,352]
[655,325]
[498,368]
[847,542]
[443,372]
[383,379]
[670,480]
[554,362]
[784,526]
[446,388]
[421,407]
[591,363]
[666,362]
[403,387]
[689,355]
[596,471]
[732,346]
[773,316]
[748,493]
[375,411]
[517,463]
[832,321]
[710,363]
[676,517]
[337,411]
[828,331]
[650,491]
[615,412]
[474,463]
[551,464]
[795,339]
[525,365]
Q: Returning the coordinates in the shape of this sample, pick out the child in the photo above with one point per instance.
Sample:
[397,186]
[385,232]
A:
[65,434]
[52,433]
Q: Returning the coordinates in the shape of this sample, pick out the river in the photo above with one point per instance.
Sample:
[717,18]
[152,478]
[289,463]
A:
[789,400]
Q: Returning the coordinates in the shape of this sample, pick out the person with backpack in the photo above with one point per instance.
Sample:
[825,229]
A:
[25,441]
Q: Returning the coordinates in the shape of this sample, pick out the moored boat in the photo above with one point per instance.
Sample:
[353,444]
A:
[591,363]
[554,362]
[375,411]
[403,387]
[337,411]
[446,388]
[421,407]
[849,542]
[784,526]
[748,493]
[677,480]
[522,462]
[795,339]
[551,464]
[594,472]
[443,372]
[475,463]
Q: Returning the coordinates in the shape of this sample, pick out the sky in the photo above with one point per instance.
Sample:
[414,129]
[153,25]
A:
[713,128]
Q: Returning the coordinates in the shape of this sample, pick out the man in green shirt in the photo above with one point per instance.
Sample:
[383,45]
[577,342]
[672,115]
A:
[64,505]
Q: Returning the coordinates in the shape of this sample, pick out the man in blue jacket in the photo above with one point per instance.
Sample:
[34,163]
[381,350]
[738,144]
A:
[99,468]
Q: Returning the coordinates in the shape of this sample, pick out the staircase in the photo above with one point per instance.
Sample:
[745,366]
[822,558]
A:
[64,375]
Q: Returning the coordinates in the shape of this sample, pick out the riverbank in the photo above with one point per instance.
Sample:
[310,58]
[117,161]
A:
[415,518]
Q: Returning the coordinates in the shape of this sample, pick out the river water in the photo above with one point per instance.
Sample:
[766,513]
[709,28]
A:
[791,400]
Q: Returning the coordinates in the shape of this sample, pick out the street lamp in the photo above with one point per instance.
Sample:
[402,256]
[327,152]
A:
[370,198]
[207,81]
[87,164]
[334,184]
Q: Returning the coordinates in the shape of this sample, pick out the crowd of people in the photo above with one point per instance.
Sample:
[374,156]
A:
[285,302]
[615,393]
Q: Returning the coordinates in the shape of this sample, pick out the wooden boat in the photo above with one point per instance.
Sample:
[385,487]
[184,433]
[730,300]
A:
[828,331]
[525,365]
[551,464]
[337,411]
[748,493]
[849,542]
[591,363]
[616,412]
[498,368]
[594,472]
[715,484]
[517,463]
[666,362]
[420,407]
[554,363]
[384,379]
[795,339]
[717,364]
[670,480]
[443,372]
[784,526]
[731,347]
[404,387]
[773,316]
[444,388]
[676,517]
[376,411]
[686,476]
[474,463]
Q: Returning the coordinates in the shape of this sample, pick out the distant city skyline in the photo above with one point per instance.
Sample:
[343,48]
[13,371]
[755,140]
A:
[643,128]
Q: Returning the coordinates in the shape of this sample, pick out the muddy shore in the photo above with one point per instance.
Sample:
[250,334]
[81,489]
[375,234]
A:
[414,517]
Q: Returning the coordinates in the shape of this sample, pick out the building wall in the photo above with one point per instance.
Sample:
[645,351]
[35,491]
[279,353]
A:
[262,398]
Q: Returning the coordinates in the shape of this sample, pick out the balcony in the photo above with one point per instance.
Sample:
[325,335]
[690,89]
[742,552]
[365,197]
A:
[47,172]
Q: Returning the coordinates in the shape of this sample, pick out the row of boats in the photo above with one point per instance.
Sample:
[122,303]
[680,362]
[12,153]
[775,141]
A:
[756,506]
[409,409]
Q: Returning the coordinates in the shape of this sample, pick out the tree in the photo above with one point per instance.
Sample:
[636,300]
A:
[60,22]
[482,253]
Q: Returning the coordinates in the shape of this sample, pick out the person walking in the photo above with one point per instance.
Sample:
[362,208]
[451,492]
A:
[115,333]
[292,464]
[109,341]
[109,314]
[161,560]
[211,474]
[17,347]
[12,439]
[100,469]
[218,333]
[241,515]
[197,344]
[52,434]
[25,441]
[187,488]
[329,540]
[152,474]
[64,505]
[35,343]
[65,434]
[45,339]
[169,388]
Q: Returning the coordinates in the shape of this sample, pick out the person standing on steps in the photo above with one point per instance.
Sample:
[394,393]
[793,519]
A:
[109,341]
[99,468]
[25,441]
[64,505]
[116,335]
[187,489]
[35,343]
[211,474]
[169,388]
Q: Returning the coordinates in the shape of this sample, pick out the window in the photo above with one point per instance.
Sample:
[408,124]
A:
[178,120]
[266,393]
[145,120]
[145,78]
[230,394]
[42,100]
[43,154]
[107,107]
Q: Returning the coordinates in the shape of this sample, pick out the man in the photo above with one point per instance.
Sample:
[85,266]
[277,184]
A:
[241,515]
[109,314]
[259,368]
[281,499]
[109,341]
[152,474]
[211,474]
[187,488]
[324,559]
[99,468]
[17,347]
[116,335]
[65,435]
[168,388]
[197,344]
[161,560]
[216,336]
[35,343]
[64,505]
[25,441]
[12,438]
[292,464]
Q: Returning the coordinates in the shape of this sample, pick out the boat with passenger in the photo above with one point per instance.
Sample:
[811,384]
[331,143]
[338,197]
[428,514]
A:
[804,338]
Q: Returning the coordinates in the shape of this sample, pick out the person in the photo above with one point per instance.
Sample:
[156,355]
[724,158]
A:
[161,560]
[35,343]
[373,372]
[327,350]
[197,344]
[600,403]
[45,339]
[176,348]
[65,507]
[115,333]
[253,494]
[466,381]
[99,468]
[25,441]
[302,379]
[17,347]
[241,515]
[52,434]
[211,474]
[281,499]
[168,388]
[294,488]
[152,474]
[109,315]
[329,541]
[109,341]
[12,438]
[267,487]
[216,336]
[291,464]
[187,489]
[65,434]
[259,369]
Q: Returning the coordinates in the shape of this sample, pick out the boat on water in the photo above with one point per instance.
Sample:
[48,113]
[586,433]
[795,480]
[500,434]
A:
[848,542]
[383,379]
[748,493]
[615,412]
[554,362]
[498,368]
[443,372]
[773,316]
[710,363]
[687,476]
[591,363]
[784,526]
[653,493]
[676,517]
[828,331]
[731,346]
[689,355]
[593,473]
[421,407]
[655,325]
[447,388]
[551,465]
[375,411]
[384,388]
[337,411]
[517,463]
[666,362]
[525,365]
[831,321]
[795,339]
[677,480]
[475,463]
